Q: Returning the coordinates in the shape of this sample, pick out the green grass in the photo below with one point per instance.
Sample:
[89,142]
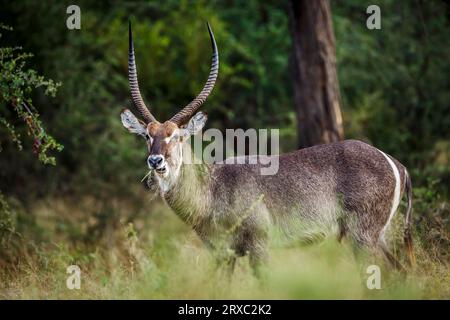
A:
[158,257]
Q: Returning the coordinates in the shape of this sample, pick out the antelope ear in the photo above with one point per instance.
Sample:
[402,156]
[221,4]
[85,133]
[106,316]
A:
[133,124]
[197,122]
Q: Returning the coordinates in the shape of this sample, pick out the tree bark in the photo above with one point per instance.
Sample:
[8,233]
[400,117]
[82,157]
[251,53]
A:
[313,66]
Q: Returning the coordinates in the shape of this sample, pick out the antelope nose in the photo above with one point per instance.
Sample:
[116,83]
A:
[154,161]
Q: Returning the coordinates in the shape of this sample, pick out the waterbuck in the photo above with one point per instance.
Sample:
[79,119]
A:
[344,189]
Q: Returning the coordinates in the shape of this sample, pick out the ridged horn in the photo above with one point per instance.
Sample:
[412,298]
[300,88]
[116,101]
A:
[133,81]
[188,111]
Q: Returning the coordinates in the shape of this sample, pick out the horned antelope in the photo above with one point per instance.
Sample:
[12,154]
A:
[346,189]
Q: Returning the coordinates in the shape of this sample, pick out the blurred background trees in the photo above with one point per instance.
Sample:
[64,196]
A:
[393,90]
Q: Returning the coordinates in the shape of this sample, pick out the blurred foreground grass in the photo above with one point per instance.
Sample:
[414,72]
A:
[158,257]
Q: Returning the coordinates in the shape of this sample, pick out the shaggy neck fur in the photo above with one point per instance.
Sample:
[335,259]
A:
[190,195]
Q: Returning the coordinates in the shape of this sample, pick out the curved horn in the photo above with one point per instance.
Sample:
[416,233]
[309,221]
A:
[133,81]
[186,113]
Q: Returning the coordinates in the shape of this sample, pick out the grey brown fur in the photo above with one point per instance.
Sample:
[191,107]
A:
[339,189]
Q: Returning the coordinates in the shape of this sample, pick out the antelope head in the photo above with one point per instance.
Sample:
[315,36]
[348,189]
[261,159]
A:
[165,139]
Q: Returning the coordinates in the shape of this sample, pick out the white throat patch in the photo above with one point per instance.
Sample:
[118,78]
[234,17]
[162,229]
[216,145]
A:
[168,178]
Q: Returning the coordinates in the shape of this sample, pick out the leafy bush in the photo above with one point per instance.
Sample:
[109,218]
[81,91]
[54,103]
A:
[16,85]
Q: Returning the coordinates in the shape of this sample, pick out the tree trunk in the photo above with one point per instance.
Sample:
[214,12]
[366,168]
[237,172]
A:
[313,65]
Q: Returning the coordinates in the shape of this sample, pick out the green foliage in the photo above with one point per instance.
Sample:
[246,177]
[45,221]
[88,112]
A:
[433,219]
[394,81]
[6,221]
[16,85]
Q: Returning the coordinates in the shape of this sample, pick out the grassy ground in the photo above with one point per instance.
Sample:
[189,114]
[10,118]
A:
[158,257]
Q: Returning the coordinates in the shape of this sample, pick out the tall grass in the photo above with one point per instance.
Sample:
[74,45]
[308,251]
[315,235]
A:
[158,257]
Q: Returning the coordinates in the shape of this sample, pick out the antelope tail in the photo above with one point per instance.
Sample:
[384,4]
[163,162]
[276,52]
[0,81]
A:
[408,221]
